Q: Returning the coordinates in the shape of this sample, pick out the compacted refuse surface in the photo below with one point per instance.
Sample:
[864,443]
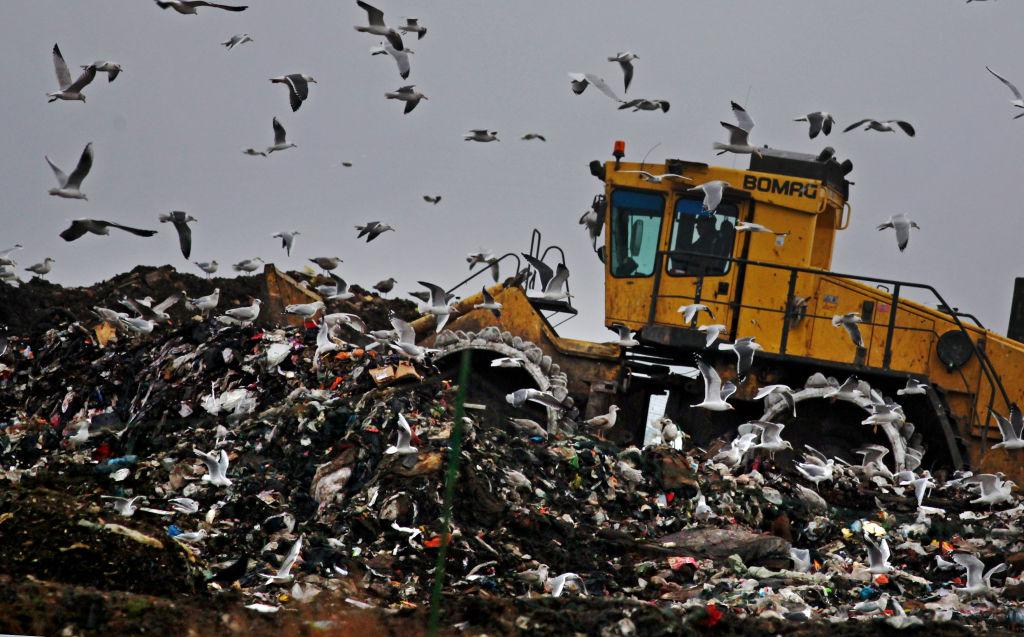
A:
[115,516]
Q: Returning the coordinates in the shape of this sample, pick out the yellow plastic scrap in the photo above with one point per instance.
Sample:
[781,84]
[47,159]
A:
[874,529]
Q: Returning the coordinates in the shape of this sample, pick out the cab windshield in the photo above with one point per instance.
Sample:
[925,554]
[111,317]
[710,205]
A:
[709,236]
[635,229]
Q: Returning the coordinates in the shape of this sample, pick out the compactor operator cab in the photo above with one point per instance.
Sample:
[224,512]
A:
[664,249]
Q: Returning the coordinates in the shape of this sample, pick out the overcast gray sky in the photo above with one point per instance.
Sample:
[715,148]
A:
[168,133]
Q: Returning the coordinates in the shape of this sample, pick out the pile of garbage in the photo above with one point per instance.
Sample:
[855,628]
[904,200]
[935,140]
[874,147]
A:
[212,462]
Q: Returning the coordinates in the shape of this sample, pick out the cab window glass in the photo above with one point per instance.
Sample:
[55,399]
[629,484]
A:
[635,229]
[705,236]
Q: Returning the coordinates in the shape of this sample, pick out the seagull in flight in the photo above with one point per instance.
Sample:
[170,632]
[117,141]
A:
[625,60]
[412,25]
[298,87]
[850,322]
[436,199]
[79,227]
[690,311]
[531,136]
[404,446]
[287,238]
[112,69]
[407,94]
[489,303]
[902,224]
[656,179]
[580,82]
[377,26]
[180,220]
[216,467]
[886,126]
[437,305]
[642,104]
[1018,99]
[713,192]
[280,139]
[552,282]
[284,574]
[1012,429]
[712,331]
[481,135]
[401,57]
[372,229]
[715,394]
[245,314]
[738,134]
[71,91]
[819,121]
[69,186]
[190,7]
[979,582]
[744,349]
[625,336]
[235,40]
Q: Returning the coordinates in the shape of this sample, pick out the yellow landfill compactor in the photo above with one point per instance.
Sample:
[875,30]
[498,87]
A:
[663,250]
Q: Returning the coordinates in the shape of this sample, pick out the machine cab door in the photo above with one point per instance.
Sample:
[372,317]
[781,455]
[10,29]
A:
[634,237]
[697,268]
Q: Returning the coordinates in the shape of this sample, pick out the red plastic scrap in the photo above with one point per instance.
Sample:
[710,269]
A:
[713,616]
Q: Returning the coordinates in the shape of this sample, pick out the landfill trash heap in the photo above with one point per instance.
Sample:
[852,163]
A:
[111,458]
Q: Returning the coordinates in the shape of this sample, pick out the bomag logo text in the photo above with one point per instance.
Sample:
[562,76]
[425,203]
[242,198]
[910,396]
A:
[780,187]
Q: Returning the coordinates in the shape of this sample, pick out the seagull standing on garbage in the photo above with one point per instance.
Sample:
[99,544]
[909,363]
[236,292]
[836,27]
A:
[601,424]
[209,267]
[305,310]
[137,325]
[715,394]
[246,314]
[216,467]
[248,265]
[42,269]
[284,574]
